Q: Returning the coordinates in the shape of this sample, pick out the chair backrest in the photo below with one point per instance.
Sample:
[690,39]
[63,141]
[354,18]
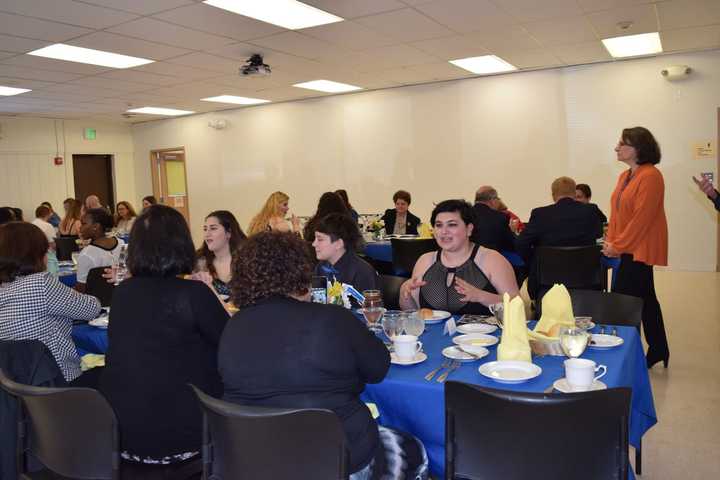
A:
[98,287]
[405,252]
[72,431]
[574,267]
[607,307]
[64,247]
[516,435]
[390,285]
[242,442]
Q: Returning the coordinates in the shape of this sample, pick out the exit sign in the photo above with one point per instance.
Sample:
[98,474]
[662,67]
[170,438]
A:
[89,134]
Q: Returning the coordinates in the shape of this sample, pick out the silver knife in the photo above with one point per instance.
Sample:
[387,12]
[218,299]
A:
[432,373]
[447,372]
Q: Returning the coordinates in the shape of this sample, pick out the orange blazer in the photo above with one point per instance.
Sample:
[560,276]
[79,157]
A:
[637,216]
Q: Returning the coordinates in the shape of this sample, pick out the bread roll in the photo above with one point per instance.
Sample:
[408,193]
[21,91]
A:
[425,313]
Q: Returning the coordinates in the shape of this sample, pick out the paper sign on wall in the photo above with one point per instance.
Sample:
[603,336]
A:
[704,150]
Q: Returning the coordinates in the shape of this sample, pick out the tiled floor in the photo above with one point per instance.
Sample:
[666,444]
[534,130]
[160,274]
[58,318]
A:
[685,443]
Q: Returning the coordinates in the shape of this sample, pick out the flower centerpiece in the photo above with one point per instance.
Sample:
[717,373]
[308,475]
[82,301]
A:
[377,227]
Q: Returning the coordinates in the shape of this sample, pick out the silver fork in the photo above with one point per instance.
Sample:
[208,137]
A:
[453,366]
[430,375]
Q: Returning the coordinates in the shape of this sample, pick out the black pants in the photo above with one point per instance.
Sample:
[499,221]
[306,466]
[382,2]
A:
[636,279]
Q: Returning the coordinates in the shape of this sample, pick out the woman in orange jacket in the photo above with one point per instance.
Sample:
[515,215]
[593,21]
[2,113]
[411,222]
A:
[638,234]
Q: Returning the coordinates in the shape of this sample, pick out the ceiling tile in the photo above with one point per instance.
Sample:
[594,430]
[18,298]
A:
[451,48]
[429,72]
[111,42]
[512,37]
[62,96]
[242,51]
[530,58]
[207,62]
[466,15]
[96,91]
[589,6]
[350,35]
[24,83]
[110,84]
[394,56]
[561,31]
[4,55]
[133,75]
[142,99]
[39,29]
[68,11]
[288,93]
[532,10]
[367,80]
[162,32]
[691,38]
[36,74]
[406,25]
[176,70]
[643,20]
[20,45]
[141,7]
[221,22]
[258,82]
[581,53]
[299,44]
[688,13]
[354,8]
[42,63]
[189,91]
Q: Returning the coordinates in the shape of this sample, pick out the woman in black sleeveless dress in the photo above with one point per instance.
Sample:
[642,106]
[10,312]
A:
[461,277]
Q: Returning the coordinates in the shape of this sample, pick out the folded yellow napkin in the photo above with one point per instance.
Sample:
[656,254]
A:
[373,410]
[514,344]
[425,231]
[556,312]
[91,360]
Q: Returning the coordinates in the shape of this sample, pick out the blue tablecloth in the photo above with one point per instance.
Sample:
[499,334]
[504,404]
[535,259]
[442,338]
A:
[408,402]
[89,339]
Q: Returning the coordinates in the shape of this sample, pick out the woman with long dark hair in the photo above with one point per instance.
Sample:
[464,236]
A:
[221,240]
[329,202]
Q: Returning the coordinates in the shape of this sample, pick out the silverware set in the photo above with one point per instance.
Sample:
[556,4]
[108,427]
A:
[448,365]
[614,330]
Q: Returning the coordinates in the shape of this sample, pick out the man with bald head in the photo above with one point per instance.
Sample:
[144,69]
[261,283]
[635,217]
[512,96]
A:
[91,202]
[492,227]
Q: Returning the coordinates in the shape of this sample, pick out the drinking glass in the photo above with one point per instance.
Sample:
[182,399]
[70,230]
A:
[373,308]
[119,265]
[392,323]
[573,341]
[319,289]
[413,324]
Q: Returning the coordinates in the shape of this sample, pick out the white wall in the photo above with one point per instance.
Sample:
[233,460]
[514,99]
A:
[28,175]
[517,132]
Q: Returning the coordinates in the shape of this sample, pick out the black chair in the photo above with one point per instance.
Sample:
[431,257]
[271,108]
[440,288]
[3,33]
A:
[608,308]
[390,285]
[242,442]
[405,252]
[516,436]
[72,431]
[99,287]
[65,246]
[574,267]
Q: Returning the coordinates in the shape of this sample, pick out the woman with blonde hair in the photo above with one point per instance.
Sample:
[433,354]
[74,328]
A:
[272,216]
[124,217]
[70,224]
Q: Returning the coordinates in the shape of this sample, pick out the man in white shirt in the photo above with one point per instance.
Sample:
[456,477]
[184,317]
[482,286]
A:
[42,215]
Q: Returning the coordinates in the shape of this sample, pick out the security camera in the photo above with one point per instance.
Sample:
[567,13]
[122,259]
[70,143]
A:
[676,72]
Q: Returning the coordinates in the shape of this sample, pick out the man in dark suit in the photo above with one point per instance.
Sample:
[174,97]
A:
[566,223]
[492,228]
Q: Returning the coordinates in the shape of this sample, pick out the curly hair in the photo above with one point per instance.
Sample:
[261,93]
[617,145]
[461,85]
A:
[271,264]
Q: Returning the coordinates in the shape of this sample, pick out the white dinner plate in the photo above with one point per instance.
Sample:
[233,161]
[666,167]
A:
[438,316]
[602,341]
[418,358]
[562,385]
[454,353]
[476,328]
[475,340]
[510,371]
[100,322]
[587,327]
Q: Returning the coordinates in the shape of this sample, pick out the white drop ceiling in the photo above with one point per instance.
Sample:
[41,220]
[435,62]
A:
[382,43]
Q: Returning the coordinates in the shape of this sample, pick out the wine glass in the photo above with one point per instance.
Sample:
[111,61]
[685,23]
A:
[119,265]
[413,324]
[573,341]
[392,323]
[373,308]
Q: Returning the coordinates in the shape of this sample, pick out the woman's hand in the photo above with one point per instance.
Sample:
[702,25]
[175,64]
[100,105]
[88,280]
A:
[204,277]
[409,287]
[469,293]
[295,222]
[609,251]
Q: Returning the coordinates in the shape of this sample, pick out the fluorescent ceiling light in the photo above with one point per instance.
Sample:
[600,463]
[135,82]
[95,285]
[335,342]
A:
[633,45]
[327,86]
[60,51]
[235,99]
[7,91]
[484,65]
[160,111]
[289,14]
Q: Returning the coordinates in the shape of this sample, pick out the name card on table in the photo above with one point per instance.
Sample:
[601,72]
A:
[450,327]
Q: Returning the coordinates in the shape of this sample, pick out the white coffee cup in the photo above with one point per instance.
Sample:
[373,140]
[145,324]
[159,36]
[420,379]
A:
[406,346]
[580,373]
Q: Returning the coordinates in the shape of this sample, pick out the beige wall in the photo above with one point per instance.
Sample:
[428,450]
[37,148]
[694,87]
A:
[517,132]
[28,175]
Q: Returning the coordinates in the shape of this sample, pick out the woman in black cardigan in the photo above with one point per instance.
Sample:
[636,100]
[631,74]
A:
[280,350]
[399,220]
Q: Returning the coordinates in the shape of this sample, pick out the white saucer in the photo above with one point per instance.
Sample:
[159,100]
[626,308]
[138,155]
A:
[100,322]
[602,341]
[454,353]
[476,328]
[419,358]
[510,371]
[438,316]
[474,340]
[562,385]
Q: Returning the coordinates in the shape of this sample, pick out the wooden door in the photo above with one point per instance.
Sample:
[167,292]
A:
[169,179]
[92,175]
